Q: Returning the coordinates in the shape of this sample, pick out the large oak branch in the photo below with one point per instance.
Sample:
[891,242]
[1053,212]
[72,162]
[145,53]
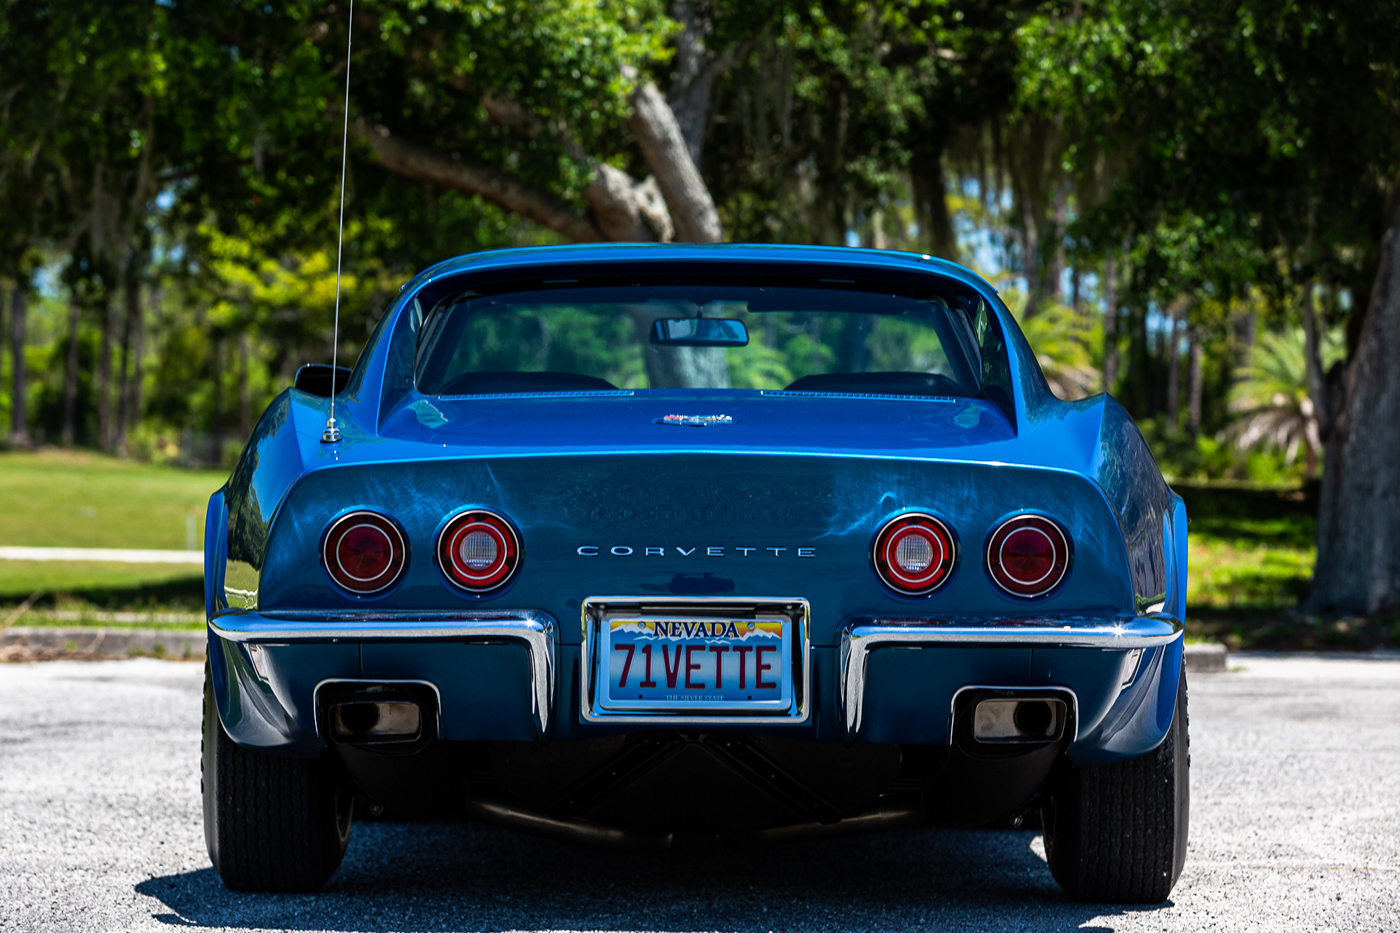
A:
[659,137]
[500,188]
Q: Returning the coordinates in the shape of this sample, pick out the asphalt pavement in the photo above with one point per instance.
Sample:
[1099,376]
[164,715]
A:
[1295,825]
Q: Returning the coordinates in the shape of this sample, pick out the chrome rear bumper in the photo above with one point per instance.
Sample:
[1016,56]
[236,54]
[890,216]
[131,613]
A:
[862,637]
[535,629]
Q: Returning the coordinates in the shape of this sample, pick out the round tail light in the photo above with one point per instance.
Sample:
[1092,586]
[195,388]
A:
[478,551]
[914,554]
[364,552]
[1028,555]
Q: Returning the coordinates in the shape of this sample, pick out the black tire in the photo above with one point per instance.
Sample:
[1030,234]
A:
[272,823]
[1117,833]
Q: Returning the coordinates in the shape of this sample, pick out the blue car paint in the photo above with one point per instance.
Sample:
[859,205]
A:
[972,462]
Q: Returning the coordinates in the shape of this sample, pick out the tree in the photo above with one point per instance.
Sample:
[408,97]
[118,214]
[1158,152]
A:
[1271,401]
[84,84]
[550,88]
[1228,114]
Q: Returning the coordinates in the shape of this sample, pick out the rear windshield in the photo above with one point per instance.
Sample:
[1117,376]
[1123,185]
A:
[598,338]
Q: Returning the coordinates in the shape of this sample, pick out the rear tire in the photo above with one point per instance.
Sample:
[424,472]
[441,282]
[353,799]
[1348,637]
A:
[272,823]
[1117,833]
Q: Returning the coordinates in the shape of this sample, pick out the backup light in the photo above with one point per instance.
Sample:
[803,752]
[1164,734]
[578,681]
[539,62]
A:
[364,552]
[1028,556]
[914,554]
[478,551]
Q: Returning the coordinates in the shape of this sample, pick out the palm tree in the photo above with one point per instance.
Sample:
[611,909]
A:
[1270,401]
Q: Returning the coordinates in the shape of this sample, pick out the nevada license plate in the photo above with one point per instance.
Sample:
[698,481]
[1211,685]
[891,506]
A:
[696,665]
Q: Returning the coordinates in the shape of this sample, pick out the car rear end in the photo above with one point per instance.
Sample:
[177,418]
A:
[861,597]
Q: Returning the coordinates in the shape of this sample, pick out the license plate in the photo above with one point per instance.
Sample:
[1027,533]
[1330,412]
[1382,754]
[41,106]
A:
[689,664]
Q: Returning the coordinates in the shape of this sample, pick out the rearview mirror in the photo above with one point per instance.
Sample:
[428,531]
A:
[316,379]
[699,332]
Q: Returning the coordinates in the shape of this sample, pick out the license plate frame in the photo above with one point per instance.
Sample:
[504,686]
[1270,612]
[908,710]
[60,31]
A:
[634,620]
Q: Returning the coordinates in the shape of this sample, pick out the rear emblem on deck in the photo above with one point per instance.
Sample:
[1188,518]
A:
[696,421]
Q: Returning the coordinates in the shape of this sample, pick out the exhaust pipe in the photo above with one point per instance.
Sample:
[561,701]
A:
[358,712]
[1033,719]
[376,721]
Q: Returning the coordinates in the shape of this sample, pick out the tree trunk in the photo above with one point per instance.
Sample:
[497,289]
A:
[1110,325]
[138,348]
[1174,369]
[663,147]
[618,209]
[1030,257]
[931,206]
[623,210]
[1056,269]
[679,367]
[245,396]
[1358,531]
[500,188]
[104,376]
[216,420]
[697,69]
[4,334]
[1194,379]
[131,295]
[70,377]
[1316,380]
[1249,335]
[19,389]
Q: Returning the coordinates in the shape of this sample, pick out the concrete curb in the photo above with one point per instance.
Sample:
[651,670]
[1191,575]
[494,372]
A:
[34,643]
[1206,659]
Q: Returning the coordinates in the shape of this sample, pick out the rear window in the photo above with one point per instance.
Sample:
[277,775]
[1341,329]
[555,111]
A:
[639,336]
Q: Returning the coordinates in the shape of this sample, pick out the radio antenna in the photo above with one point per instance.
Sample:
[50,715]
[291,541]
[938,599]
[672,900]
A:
[332,434]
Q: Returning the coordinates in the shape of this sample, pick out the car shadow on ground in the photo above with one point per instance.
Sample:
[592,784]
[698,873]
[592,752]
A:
[451,876]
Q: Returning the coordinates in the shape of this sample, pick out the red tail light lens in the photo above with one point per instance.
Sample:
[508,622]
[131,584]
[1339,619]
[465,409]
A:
[478,551]
[364,552]
[1028,555]
[914,554]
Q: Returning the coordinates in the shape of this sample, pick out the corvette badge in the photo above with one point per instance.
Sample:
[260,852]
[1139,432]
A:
[696,421]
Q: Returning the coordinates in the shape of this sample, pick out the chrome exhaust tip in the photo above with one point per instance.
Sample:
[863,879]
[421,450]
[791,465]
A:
[402,714]
[1006,720]
[369,721]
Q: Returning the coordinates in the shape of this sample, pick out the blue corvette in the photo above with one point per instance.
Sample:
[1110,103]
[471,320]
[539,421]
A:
[631,543]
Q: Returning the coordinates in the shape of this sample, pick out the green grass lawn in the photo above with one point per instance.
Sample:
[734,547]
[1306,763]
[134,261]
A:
[72,499]
[54,498]
[1250,548]
[102,586]
[1251,560]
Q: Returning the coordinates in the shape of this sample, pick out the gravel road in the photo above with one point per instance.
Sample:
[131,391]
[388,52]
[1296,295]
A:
[1295,825]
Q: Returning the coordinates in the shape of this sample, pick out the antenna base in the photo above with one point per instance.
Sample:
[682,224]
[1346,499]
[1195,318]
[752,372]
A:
[331,435]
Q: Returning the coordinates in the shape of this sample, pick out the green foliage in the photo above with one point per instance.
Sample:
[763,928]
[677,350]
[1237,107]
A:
[839,115]
[1066,344]
[1270,401]
[1209,459]
[597,341]
[1229,151]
